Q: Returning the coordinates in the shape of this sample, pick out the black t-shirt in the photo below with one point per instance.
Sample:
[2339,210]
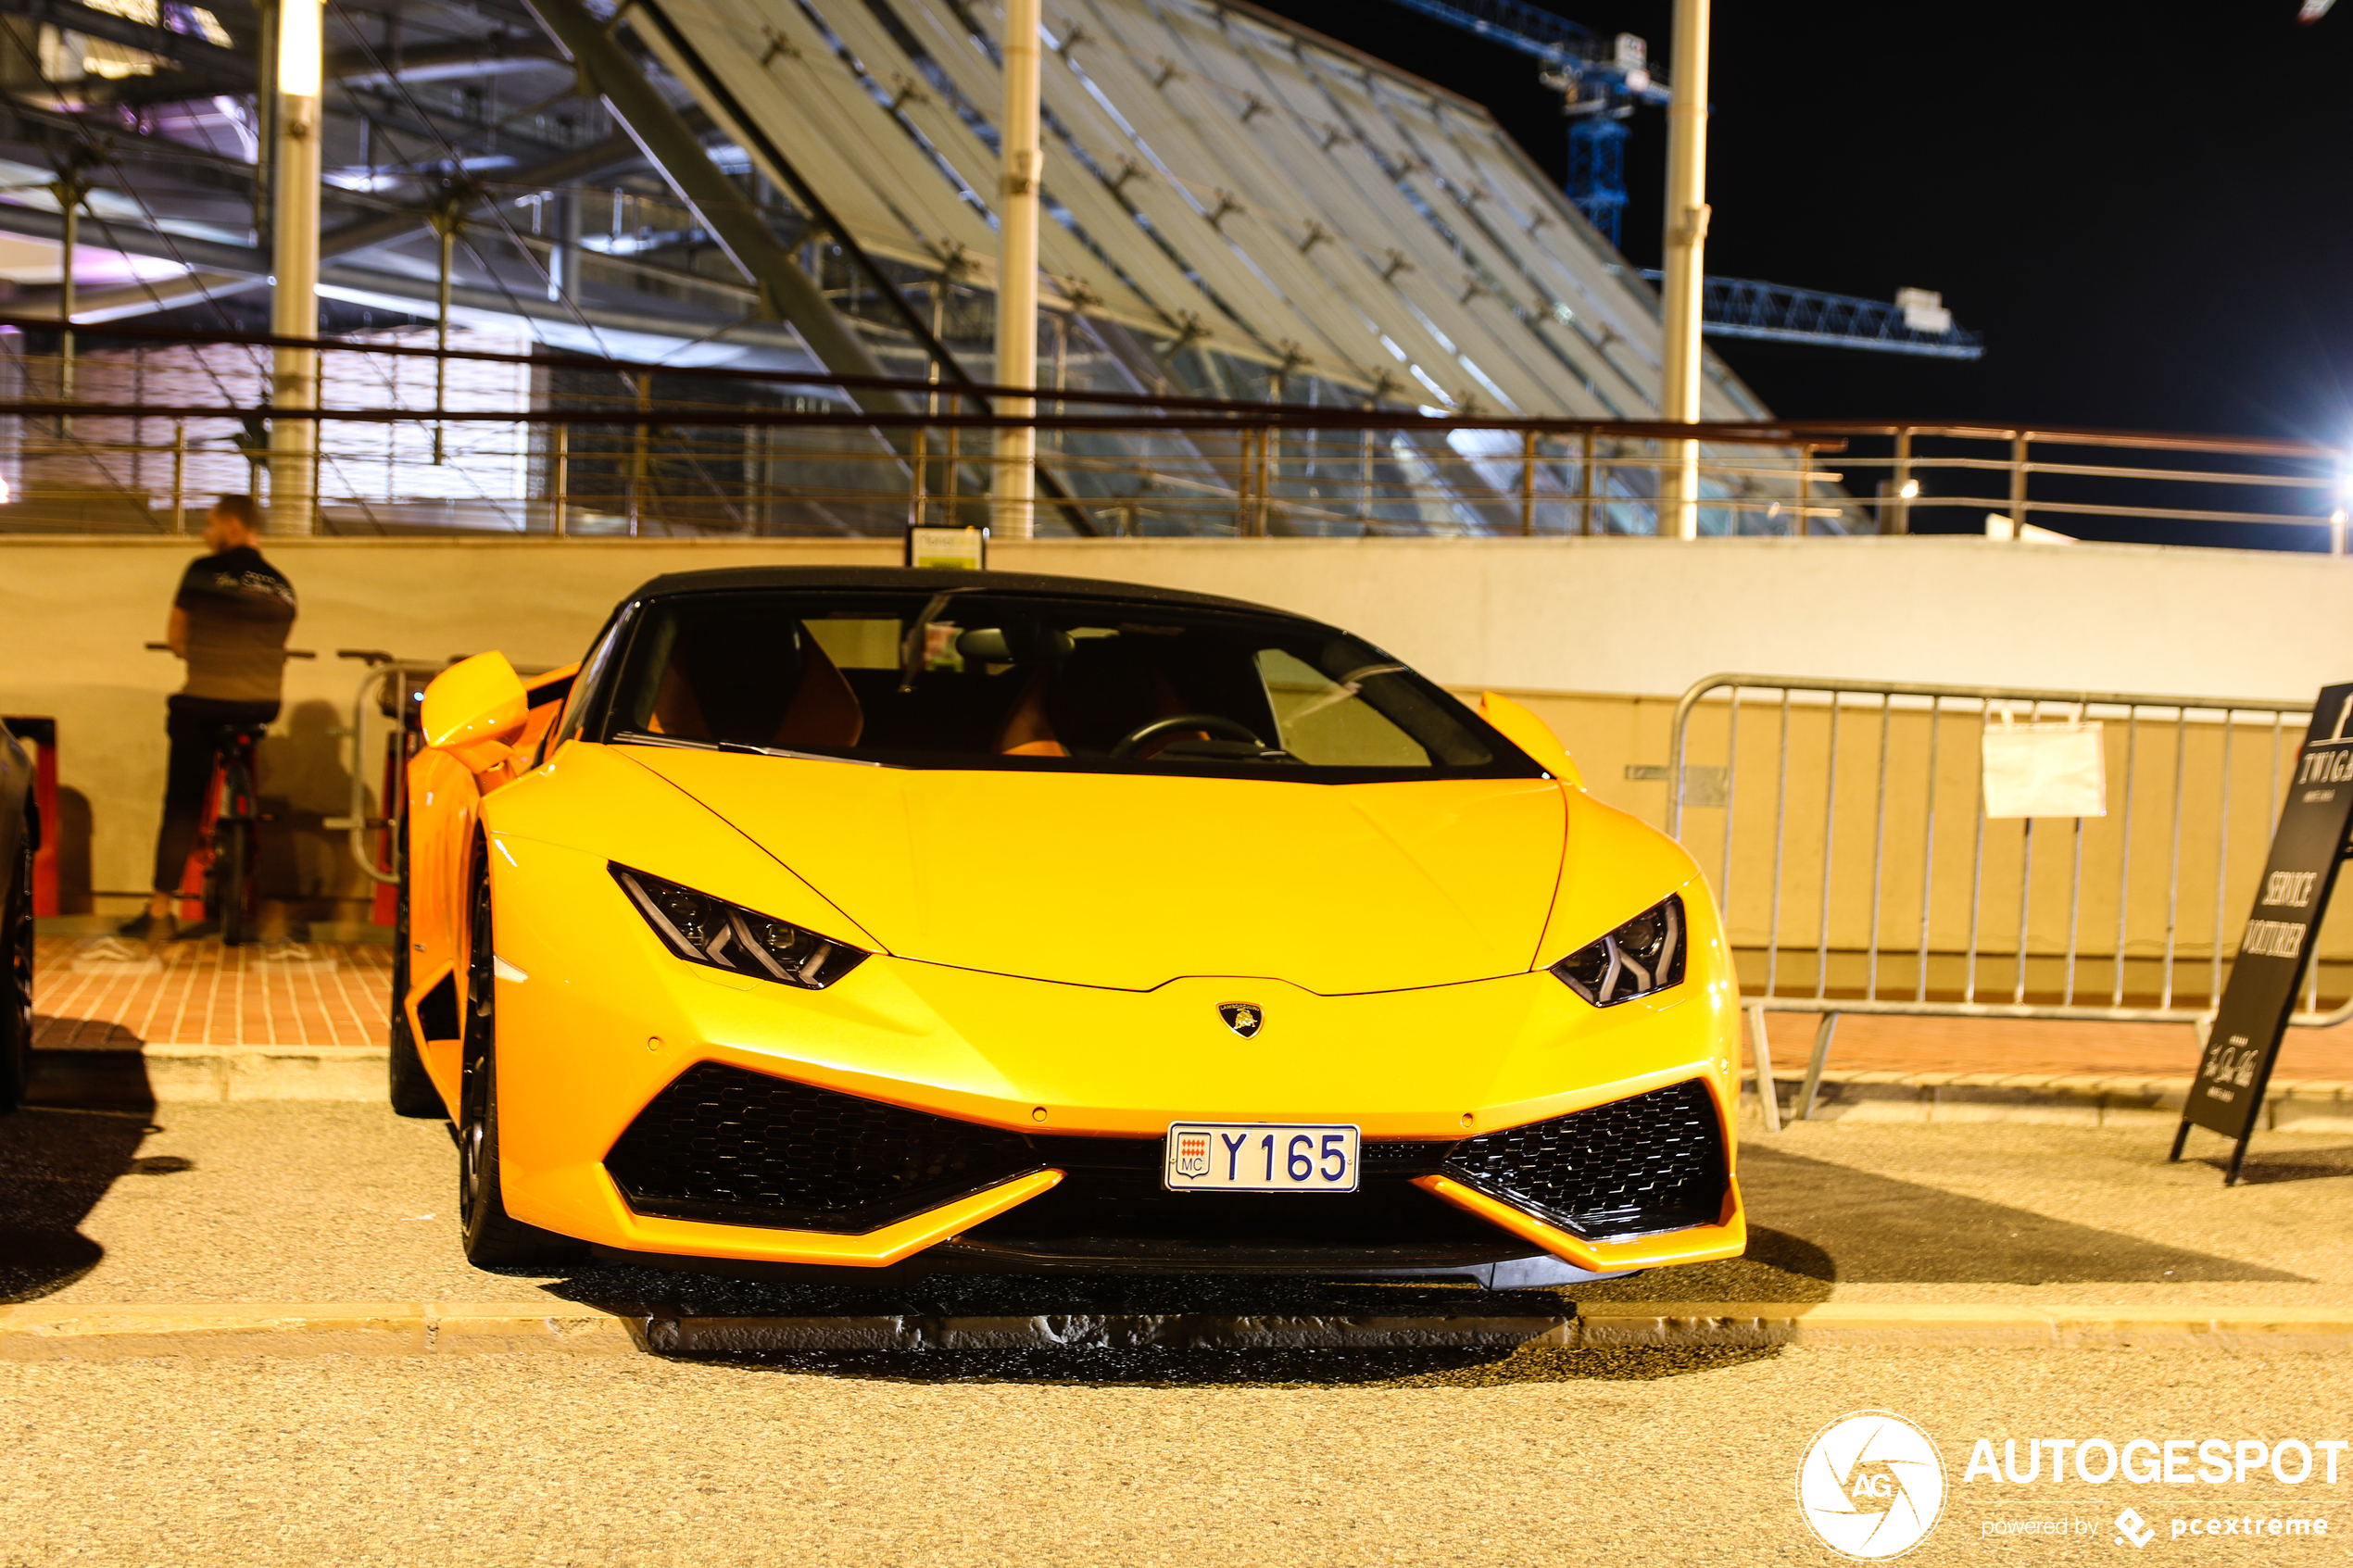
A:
[240,609]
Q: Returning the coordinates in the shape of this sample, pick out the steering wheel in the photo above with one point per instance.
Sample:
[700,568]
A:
[1213,723]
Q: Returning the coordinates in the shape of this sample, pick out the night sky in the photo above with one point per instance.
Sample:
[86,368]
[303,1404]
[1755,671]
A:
[2146,210]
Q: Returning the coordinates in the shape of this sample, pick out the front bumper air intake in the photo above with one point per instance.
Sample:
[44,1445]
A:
[1639,1166]
[743,1148]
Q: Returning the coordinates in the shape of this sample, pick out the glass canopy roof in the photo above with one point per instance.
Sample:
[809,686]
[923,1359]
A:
[1216,178]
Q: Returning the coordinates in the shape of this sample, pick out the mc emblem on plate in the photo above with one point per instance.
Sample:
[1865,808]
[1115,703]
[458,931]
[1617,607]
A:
[1242,1018]
[1192,1155]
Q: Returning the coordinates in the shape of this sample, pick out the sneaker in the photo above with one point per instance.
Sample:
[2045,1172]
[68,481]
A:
[146,927]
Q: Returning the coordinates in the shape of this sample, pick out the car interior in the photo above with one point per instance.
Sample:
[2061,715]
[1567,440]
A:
[992,676]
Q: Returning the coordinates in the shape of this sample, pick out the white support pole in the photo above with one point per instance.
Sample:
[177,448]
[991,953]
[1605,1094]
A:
[1686,260]
[294,310]
[1014,487]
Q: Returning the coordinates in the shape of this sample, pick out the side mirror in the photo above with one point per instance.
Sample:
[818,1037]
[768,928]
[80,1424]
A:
[475,711]
[1532,735]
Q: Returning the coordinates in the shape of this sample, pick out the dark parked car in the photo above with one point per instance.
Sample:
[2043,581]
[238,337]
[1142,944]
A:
[20,836]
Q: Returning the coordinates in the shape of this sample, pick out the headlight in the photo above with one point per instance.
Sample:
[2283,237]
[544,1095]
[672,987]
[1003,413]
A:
[705,930]
[1642,956]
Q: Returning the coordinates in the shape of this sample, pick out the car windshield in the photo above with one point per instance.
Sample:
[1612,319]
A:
[974,678]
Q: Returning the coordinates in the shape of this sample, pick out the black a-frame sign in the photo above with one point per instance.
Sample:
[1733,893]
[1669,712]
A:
[2277,944]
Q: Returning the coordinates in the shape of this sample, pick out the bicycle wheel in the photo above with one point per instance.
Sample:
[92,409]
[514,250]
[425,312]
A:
[232,849]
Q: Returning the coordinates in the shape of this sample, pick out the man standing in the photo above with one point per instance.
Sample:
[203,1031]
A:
[230,621]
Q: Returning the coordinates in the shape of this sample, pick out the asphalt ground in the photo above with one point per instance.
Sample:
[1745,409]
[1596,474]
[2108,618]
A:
[1531,1455]
[1183,1459]
[294,1201]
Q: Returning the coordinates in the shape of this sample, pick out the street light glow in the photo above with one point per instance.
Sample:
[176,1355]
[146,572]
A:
[301,41]
[1911,489]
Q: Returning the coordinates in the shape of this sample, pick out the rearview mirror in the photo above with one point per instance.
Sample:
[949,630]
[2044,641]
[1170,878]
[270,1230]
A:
[1531,734]
[476,710]
[1015,644]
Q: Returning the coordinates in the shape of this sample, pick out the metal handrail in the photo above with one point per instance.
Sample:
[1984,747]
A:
[659,450]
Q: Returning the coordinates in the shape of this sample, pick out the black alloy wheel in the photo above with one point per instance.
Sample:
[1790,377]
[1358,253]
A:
[232,857]
[16,985]
[492,1239]
[411,1087]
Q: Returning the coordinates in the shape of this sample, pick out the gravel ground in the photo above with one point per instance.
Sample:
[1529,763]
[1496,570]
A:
[323,1202]
[1096,1459]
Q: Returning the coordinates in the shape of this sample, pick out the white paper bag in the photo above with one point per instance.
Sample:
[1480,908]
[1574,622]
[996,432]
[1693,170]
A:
[2044,771]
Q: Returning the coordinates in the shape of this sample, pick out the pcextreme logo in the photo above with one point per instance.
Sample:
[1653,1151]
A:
[1872,1486]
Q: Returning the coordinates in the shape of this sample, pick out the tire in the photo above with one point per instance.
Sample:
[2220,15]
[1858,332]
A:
[493,1238]
[15,981]
[410,1088]
[233,844]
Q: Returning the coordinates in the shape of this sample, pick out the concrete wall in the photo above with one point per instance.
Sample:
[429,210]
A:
[1605,618]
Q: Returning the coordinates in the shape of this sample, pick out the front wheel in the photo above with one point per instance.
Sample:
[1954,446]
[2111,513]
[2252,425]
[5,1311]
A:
[494,1239]
[15,981]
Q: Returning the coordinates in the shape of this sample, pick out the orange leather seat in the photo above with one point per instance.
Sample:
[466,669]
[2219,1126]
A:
[825,712]
[1101,692]
[733,670]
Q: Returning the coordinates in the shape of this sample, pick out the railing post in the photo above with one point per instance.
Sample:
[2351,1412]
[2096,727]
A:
[1585,506]
[1268,446]
[1246,467]
[444,221]
[917,489]
[950,515]
[2017,484]
[1902,501]
[562,487]
[69,194]
[1364,479]
[1528,485]
[637,468]
[179,476]
[1804,486]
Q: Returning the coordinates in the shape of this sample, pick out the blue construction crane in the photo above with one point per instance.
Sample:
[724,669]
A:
[1600,81]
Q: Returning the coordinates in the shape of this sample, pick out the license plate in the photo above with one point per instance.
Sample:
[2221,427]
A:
[1260,1156]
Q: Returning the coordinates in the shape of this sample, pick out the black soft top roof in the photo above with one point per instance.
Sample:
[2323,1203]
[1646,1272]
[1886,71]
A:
[917,580]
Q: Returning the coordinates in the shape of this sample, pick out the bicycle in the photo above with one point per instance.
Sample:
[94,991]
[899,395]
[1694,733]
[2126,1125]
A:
[225,833]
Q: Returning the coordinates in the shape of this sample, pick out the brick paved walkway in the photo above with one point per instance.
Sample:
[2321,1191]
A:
[112,994]
[1866,1044]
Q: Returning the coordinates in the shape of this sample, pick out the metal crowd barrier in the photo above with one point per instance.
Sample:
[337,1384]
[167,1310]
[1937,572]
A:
[1844,825]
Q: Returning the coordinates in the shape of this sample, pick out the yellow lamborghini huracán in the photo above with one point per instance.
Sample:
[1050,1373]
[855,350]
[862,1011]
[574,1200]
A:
[828,921]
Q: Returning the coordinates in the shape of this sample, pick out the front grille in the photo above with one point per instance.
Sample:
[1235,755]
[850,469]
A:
[1634,1167]
[744,1148]
[734,1147]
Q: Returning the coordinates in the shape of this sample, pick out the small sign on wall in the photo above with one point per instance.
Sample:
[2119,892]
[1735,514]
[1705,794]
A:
[2044,770]
[956,550]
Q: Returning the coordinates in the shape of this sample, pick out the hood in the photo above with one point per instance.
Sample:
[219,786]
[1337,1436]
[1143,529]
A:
[1129,882]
